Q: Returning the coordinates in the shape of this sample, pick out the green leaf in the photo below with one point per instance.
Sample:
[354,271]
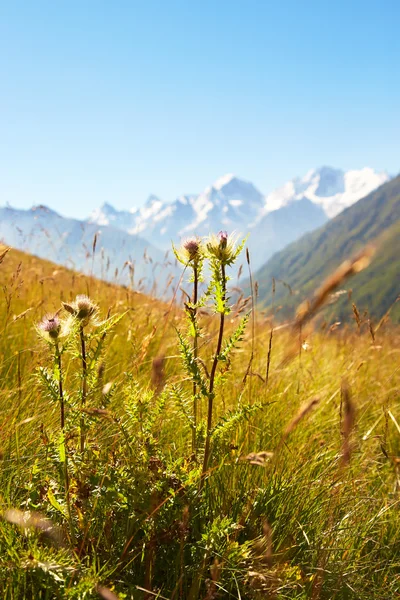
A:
[191,365]
[55,504]
[235,338]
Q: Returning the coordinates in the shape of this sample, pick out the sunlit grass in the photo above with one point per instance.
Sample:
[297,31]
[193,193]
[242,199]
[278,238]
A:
[279,515]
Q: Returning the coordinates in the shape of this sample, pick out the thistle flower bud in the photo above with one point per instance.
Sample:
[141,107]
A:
[82,309]
[50,327]
[224,247]
[190,252]
[223,238]
[192,246]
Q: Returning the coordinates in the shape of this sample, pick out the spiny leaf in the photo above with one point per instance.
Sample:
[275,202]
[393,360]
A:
[183,401]
[235,338]
[191,365]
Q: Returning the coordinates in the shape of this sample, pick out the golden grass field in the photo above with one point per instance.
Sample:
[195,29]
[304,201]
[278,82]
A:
[300,498]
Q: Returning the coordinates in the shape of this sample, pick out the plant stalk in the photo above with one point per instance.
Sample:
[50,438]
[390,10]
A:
[212,379]
[84,385]
[195,354]
[60,388]
[64,442]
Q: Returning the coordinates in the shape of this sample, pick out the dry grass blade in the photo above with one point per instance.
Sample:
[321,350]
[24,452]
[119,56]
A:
[158,373]
[394,420]
[356,315]
[258,458]
[16,317]
[34,520]
[3,254]
[386,315]
[348,268]
[269,354]
[348,421]
[98,412]
[106,593]
[267,531]
[150,593]
[371,331]
[304,410]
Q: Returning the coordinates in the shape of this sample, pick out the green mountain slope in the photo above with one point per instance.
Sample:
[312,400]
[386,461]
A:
[305,263]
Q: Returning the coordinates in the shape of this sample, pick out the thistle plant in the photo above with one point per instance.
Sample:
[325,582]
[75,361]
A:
[84,312]
[50,329]
[222,251]
[191,255]
[53,331]
[60,334]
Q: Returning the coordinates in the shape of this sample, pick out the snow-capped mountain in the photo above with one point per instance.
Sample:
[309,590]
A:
[332,189]
[118,256]
[273,221]
[230,203]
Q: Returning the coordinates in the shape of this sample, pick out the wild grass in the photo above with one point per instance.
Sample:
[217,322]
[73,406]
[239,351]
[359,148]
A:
[299,497]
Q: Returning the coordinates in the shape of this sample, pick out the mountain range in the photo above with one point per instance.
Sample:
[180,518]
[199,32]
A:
[106,252]
[273,221]
[134,244]
[304,264]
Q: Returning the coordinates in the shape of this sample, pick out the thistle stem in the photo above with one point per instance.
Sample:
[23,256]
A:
[60,388]
[64,442]
[212,378]
[84,385]
[195,354]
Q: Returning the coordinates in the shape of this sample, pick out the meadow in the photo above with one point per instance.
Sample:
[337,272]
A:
[193,448]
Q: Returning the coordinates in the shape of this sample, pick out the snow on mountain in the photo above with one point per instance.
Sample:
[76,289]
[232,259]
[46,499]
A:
[332,189]
[234,204]
[229,203]
[273,221]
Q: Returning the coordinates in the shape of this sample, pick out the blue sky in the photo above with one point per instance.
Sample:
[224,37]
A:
[111,101]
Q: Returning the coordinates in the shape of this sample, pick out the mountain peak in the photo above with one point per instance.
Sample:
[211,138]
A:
[151,199]
[333,189]
[41,208]
[224,180]
[106,207]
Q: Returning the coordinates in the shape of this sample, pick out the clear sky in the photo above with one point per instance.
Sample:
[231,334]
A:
[109,101]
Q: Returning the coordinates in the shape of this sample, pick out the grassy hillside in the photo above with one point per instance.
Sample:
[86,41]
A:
[305,263]
[299,498]
[109,253]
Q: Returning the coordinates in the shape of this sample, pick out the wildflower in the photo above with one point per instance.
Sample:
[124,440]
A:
[223,238]
[224,247]
[192,246]
[50,327]
[82,309]
[190,251]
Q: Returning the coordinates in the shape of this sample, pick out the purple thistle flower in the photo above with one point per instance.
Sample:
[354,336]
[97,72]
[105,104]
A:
[223,238]
[51,325]
[192,246]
